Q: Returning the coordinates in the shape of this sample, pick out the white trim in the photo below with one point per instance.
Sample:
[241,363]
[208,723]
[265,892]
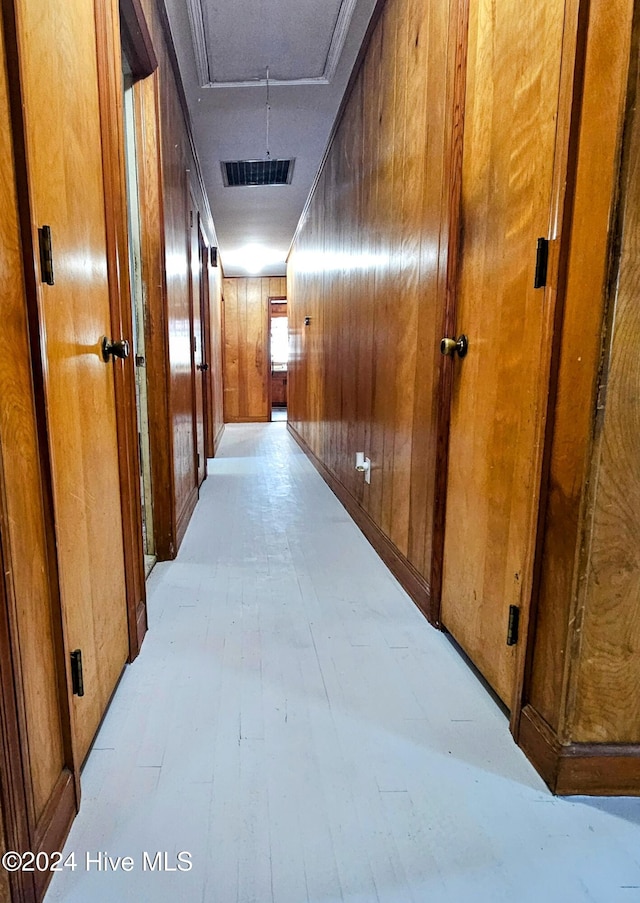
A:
[347,9]
[196,21]
[261,82]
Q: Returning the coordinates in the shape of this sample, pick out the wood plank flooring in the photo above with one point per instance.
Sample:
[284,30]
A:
[295,724]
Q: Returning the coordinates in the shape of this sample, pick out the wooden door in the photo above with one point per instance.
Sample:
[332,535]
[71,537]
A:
[58,67]
[38,775]
[500,387]
[199,357]
[207,380]
[246,345]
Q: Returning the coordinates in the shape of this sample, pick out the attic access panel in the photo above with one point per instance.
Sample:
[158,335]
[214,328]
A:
[239,173]
[301,41]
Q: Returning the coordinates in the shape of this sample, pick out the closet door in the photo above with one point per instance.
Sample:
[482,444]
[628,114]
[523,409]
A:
[198,273]
[58,73]
[38,776]
[500,386]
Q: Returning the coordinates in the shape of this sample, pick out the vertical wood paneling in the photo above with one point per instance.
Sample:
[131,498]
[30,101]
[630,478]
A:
[365,267]
[197,271]
[215,308]
[444,110]
[5,890]
[146,95]
[174,455]
[385,325]
[109,59]
[607,677]
[247,366]
[579,353]
[364,300]
[179,322]
[212,338]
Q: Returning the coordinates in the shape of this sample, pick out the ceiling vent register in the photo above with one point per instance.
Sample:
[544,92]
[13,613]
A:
[238,173]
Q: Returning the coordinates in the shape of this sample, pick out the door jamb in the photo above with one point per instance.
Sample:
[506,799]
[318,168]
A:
[451,235]
[108,51]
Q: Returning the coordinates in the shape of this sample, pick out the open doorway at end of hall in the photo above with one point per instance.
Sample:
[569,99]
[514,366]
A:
[279,355]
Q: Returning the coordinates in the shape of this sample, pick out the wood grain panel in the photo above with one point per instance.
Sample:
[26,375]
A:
[580,341]
[500,388]
[137,45]
[109,61]
[57,47]
[178,300]
[216,341]
[450,241]
[146,107]
[246,367]
[173,175]
[198,346]
[37,748]
[22,518]
[607,705]
[365,269]
[212,349]
[5,890]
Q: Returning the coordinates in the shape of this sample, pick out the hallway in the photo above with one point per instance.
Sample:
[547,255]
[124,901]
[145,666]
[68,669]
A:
[296,725]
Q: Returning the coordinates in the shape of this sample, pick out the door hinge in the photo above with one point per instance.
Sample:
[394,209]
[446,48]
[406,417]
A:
[46,254]
[191,218]
[77,680]
[542,259]
[198,457]
[513,624]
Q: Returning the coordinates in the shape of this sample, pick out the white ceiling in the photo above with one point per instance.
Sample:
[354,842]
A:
[224,49]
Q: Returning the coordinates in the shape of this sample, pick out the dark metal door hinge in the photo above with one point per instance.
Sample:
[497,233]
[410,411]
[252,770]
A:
[542,259]
[77,680]
[46,254]
[198,456]
[512,627]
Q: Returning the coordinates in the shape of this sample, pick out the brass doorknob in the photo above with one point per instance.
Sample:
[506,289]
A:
[454,346]
[118,348]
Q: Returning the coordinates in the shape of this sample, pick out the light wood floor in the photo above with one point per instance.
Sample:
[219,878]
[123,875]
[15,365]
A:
[296,725]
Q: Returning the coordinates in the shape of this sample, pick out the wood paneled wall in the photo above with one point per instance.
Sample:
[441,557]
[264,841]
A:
[169,183]
[67,494]
[216,418]
[367,295]
[583,654]
[367,270]
[5,890]
[247,367]
[579,348]
[607,673]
